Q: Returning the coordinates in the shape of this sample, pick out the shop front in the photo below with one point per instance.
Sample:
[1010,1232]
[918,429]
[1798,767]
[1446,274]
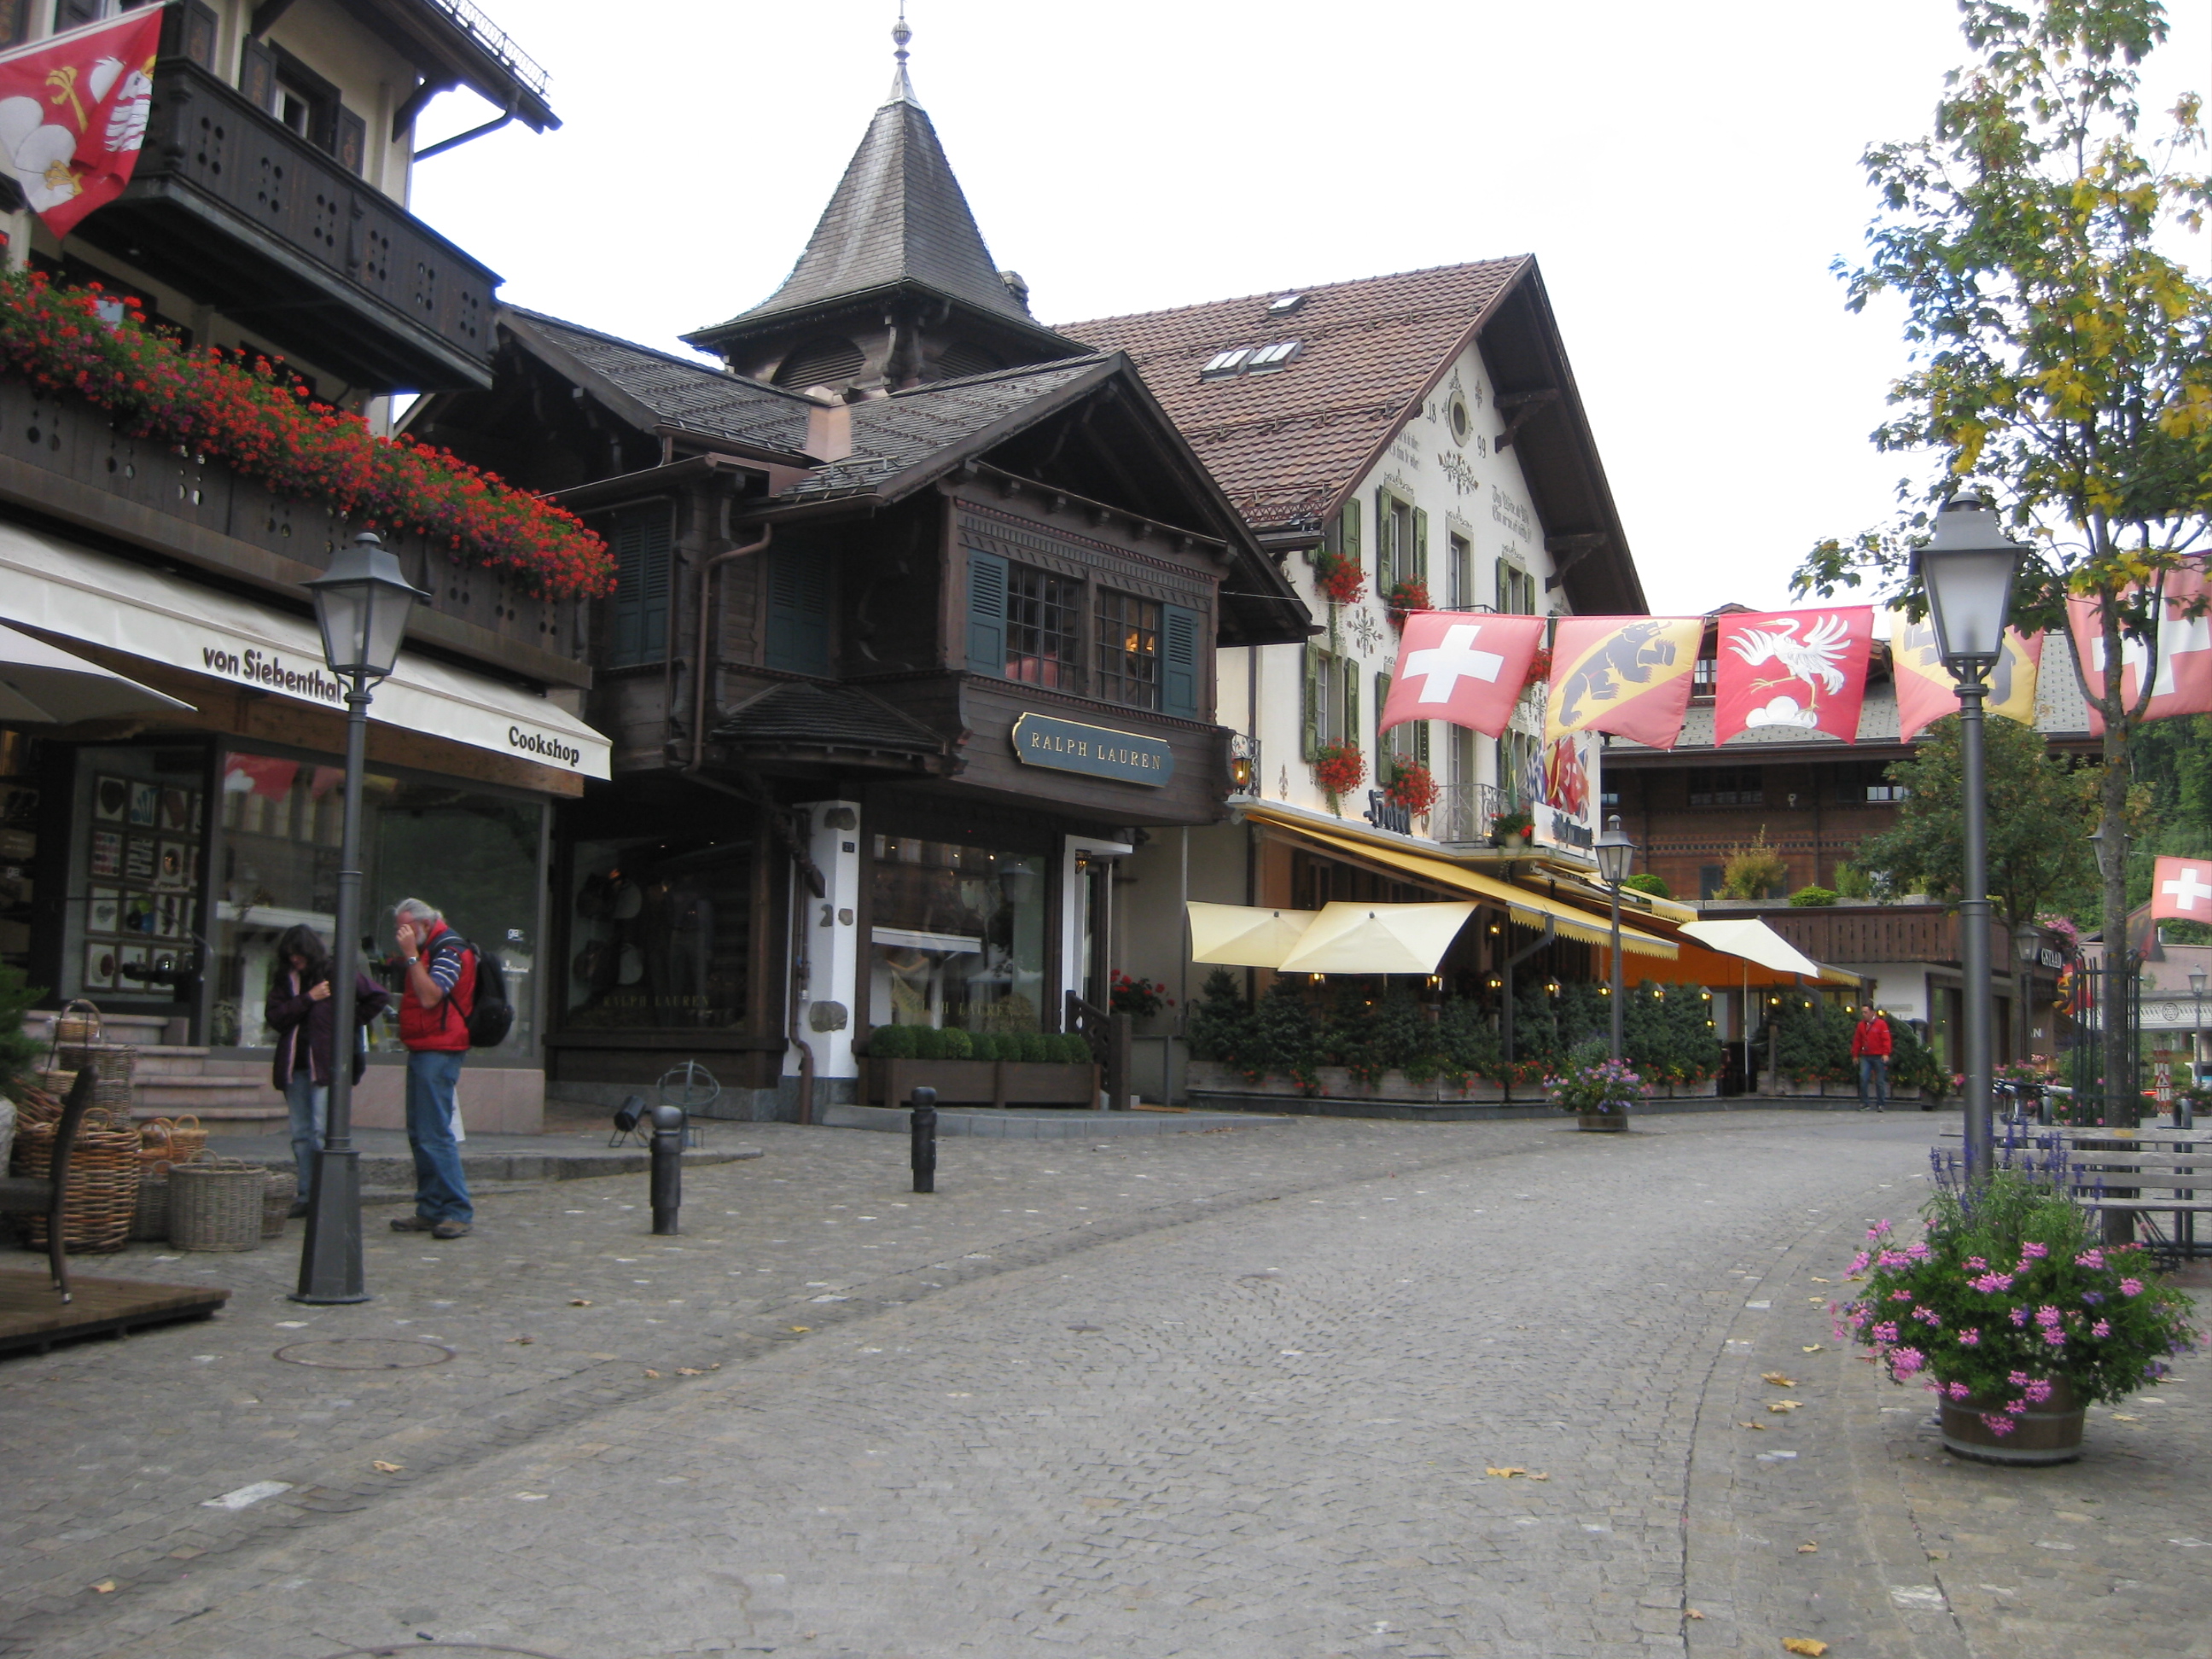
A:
[154,861]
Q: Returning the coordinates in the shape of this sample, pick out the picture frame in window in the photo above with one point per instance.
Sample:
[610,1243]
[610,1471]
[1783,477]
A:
[101,960]
[173,865]
[176,811]
[140,858]
[107,853]
[169,915]
[136,915]
[145,805]
[103,910]
[127,958]
[111,799]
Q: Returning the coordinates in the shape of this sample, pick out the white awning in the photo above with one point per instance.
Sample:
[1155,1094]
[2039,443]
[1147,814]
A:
[41,682]
[1244,936]
[58,588]
[1351,937]
[1757,942]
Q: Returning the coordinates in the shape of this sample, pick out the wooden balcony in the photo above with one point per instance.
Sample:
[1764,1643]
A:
[247,216]
[1873,933]
[61,459]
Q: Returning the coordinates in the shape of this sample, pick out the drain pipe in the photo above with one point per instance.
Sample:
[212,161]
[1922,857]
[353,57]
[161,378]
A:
[699,660]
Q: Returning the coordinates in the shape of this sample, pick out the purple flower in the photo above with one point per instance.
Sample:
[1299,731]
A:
[2016,1408]
[1904,1362]
[1969,1338]
[2054,1336]
[2102,1328]
[1997,1423]
[2090,1259]
[1918,1250]
[1885,1332]
[2093,1297]
[1900,1296]
[1956,1390]
[2019,1315]
[2033,1252]
[2039,1391]
[1975,1263]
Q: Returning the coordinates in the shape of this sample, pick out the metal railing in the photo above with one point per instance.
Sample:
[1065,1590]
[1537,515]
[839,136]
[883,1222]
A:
[495,40]
[1462,813]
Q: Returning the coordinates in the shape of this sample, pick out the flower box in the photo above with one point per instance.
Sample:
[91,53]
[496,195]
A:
[983,1082]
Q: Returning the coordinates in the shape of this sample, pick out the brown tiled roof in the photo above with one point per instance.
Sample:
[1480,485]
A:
[1287,444]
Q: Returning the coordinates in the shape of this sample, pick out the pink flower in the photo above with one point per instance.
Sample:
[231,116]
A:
[1969,1338]
[1956,1390]
[2033,1252]
[1885,1332]
[2016,1408]
[1900,1296]
[2090,1259]
[2019,1315]
[2055,1337]
[1997,1423]
[2102,1328]
[2039,1391]
[1976,1264]
[2131,1287]
[1904,1362]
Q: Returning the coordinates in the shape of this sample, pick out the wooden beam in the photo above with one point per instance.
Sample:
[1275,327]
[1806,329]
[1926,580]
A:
[1574,547]
[265,16]
[1518,407]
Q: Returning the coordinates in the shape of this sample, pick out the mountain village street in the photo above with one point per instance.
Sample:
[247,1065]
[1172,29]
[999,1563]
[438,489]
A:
[1326,1388]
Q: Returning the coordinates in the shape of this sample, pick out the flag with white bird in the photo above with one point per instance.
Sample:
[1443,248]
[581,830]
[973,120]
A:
[1798,670]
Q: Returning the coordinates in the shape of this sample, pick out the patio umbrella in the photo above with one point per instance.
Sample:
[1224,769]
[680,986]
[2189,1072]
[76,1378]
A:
[1755,941]
[1243,935]
[1377,938]
[40,684]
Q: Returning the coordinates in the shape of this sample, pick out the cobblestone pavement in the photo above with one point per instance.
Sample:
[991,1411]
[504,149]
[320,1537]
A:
[1241,1393]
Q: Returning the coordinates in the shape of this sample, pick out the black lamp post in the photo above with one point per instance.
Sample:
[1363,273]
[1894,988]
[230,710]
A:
[1614,853]
[361,605]
[2187,1116]
[1968,568]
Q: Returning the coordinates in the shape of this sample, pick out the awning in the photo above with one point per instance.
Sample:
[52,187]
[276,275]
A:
[1528,909]
[1758,943]
[43,683]
[1378,938]
[58,587]
[1244,936]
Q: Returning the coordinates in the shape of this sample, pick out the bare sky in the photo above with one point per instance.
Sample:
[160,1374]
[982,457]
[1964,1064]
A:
[1685,175]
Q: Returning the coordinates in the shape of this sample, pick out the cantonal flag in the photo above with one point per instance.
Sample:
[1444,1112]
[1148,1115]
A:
[1466,669]
[2182,680]
[1801,669]
[1926,692]
[1626,675]
[73,111]
[2181,890]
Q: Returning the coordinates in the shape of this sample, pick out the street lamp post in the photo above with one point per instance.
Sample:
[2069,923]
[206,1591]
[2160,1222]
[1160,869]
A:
[361,605]
[2185,1113]
[1968,568]
[1614,851]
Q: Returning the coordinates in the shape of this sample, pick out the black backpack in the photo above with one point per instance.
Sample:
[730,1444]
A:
[491,1015]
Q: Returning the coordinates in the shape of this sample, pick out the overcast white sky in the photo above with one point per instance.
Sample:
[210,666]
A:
[1685,175]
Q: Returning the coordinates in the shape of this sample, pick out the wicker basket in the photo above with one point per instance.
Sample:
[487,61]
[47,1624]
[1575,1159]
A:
[276,1207]
[108,1061]
[215,1204]
[43,1104]
[172,1139]
[72,1026]
[149,1221]
[103,1183]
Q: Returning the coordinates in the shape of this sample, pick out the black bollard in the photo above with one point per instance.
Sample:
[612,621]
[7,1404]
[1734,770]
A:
[925,1140]
[667,1168]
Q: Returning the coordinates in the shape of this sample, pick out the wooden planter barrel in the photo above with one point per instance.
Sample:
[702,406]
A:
[1603,1123]
[2049,1433]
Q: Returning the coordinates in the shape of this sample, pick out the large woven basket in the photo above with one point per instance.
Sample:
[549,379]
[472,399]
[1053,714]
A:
[275,1207]
[108,1061]
[78,1022]
[149,1220]
[215,1204]
[103,1183]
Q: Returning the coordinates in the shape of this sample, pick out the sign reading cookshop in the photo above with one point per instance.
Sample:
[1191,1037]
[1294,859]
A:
[1094,750]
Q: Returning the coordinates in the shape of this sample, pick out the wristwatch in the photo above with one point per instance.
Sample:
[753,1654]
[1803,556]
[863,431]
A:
[412,960]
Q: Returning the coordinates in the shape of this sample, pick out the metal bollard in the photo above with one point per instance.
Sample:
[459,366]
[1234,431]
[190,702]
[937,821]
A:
[925,1140]
[667,1168]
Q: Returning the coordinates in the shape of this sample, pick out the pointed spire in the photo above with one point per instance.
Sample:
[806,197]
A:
[901,88]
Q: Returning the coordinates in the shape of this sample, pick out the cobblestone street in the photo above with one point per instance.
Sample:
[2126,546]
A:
[1327,1388]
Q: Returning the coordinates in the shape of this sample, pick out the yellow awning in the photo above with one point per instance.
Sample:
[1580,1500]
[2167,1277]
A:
[1529,909]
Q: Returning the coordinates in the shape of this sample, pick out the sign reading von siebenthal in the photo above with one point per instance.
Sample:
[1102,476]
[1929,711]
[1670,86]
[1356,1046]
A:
[1094,750]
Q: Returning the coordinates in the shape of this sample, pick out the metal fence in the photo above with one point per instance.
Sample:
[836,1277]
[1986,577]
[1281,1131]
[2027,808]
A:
[1462,813]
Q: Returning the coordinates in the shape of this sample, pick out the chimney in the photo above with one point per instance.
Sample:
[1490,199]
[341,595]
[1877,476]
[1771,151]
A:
[829,426]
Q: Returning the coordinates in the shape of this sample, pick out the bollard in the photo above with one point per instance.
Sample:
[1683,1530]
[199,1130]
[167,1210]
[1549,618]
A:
[925,1140]
[667,1168]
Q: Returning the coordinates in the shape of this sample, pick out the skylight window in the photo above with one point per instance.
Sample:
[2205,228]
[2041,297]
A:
[1226,363]
[1283,305]
[1273,357]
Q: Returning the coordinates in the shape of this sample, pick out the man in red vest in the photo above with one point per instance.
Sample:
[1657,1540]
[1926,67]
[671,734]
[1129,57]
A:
[433,1025]
[1871,1044]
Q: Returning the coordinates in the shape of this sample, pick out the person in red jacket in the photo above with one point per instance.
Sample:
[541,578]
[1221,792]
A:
[1871,1045]
[433,1025]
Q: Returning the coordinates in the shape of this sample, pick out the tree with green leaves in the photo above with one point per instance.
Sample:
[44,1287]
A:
[2060,352]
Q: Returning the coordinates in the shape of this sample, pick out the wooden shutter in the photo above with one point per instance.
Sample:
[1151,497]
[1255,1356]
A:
[987,615]
[637,617]
[799,612]
[1421,741]
[1350,707]
[1381,702]
[1179,660]
[352,145]
[256,75]
[1385,539]
[1312,690]
[1420,544]
[189,31]
[1348,530]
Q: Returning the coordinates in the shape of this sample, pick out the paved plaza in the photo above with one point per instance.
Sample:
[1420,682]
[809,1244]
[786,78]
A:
[1323,1387]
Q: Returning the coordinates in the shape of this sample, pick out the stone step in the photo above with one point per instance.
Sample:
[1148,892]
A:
[221,1121]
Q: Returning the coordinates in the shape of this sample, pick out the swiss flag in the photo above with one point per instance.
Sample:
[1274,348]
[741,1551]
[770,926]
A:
[2181,890]
[73,111]
[1461,667]
[2182,681]
[1798,669]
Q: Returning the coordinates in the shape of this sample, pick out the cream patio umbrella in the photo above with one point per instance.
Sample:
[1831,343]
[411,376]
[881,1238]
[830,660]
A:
[1244,935]
[43,684]
[1377,938]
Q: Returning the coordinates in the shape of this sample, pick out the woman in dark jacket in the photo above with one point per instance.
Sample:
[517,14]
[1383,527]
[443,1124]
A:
[299,1008]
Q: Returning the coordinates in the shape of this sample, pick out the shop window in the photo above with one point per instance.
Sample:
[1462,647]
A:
[1459,591]
[474,856]
[660,935]
[1043,611]
[1727,785]
[1331,699]
[1128,633]
[956,936]
[643,542]
[131,927]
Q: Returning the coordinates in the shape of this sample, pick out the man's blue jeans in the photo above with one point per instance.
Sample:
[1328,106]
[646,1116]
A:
[310,1102]
[1874,1075]
[441,1191]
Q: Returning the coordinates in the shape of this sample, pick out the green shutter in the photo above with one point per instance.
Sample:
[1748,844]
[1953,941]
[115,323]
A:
[799,612]
[1348,531]
[1421,741]
[637,616]
[1179,660]
[1311,696]
[1420,544]
[1351,707]
[1386,541]
[987,614]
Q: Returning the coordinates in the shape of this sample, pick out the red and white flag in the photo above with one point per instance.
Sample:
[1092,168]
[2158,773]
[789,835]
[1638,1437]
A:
[2181,890]
[73,112]
[2181,683]
[1804,669]
[1466,669]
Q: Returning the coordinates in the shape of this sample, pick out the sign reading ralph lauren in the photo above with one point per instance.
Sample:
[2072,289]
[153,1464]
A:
[1094,750]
